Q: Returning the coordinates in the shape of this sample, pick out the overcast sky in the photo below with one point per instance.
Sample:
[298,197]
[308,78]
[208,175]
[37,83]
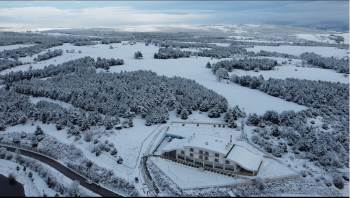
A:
[41,14]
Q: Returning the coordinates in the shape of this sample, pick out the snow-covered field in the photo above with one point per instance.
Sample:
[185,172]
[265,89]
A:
[11,47]
[221,44]
[125,52]
[292,71]
[297,50]
[252,101]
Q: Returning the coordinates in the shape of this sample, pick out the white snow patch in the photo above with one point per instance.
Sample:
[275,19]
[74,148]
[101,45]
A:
[221,44]
[35,100]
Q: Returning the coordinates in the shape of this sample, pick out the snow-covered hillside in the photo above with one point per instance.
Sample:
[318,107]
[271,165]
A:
[293,119]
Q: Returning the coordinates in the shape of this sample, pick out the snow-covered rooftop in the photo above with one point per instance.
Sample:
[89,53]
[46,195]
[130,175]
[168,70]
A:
[221,140]
[200,141]
[245,158]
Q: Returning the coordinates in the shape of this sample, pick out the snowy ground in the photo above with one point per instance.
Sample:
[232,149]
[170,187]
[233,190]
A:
[31,188]
[38,186]
[128,143]
[221,44]
[125,52]
[297,50]
[292,71]
[194,68]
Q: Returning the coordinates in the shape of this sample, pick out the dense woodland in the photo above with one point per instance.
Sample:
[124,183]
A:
[87,64]
[167,53]
[84,43]
[16,109]
[49,54]
[182,45]
[275,54]
[327,100]
[110,40]
[27,51]
[119,95]
[126,94]
[222,52]
[105,63]
[6,63]
[245,64]
[340,65]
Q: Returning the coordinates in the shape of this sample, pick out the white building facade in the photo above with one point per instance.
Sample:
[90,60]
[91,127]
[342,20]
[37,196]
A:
[213,154]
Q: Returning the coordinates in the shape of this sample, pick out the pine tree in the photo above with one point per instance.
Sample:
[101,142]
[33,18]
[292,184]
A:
[38,131]
[208,65]
[138,55]
[184,114]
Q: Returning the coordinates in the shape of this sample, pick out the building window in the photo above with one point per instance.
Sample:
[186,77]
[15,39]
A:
[183,152]
[191,154]
[227,162]
[208,165]
[206,157]
[191,149]
[216,160]
[206,153]
[216,154]
[200,152]
[201,157]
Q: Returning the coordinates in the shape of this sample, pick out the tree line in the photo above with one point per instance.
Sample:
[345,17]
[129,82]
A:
[49,54]
[340,65]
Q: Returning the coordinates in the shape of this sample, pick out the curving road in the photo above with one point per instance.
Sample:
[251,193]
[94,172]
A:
[64,170]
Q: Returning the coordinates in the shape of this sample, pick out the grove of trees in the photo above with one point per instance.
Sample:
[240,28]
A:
[245,64]
[340,65]
[167,53]
[48,55]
